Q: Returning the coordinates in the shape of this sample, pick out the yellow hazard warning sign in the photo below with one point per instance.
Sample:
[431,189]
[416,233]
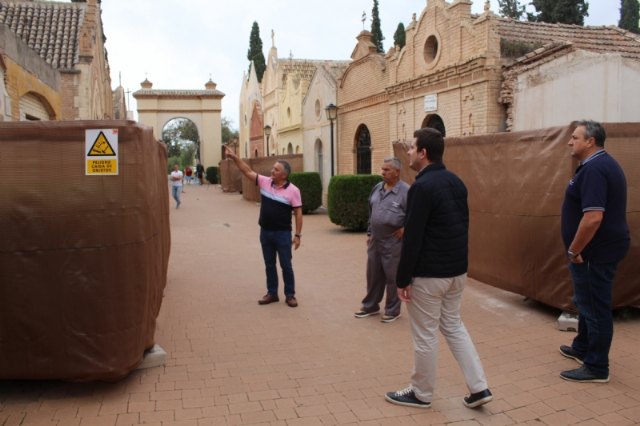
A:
[102,167]
[101,151]
[101,147]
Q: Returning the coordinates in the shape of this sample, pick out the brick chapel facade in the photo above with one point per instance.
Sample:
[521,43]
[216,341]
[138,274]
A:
[458,72]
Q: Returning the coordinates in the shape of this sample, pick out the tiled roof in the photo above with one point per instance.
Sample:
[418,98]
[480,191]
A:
[177,93]
[336,68]
[51,29]
[303,68]
[602,39]
[545,51]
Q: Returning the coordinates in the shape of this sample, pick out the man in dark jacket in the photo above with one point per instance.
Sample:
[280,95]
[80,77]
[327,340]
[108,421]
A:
[432,274]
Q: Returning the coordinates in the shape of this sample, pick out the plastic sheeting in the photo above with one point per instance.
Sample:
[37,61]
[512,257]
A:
[516,184]
[84,259]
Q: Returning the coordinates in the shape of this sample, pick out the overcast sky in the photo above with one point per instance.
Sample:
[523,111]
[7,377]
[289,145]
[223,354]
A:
[181,44]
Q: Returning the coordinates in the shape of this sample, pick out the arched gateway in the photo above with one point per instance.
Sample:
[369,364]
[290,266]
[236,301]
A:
[203,107]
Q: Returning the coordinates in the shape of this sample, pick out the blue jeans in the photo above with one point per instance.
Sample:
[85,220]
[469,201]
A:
[592,287]
[175,192]
[278,244]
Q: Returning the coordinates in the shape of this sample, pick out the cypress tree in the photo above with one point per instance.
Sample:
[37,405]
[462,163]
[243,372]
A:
[376,32]
[400,37]
[511,9]
[560,11]
[629,15]
[255,51]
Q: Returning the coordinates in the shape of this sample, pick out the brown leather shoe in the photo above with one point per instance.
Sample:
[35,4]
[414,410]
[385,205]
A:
[292,302]
[268,298]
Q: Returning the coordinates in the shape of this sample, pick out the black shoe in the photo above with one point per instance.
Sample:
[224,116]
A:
[268,298]
[584,375]
[362,313]
[389,318]
[477,399]
[569,352]
[407,398]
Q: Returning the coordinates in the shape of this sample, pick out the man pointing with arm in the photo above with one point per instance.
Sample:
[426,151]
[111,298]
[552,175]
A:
[279,198]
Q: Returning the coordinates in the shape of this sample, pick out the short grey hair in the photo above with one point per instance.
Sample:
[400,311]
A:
[593,129]
[395,162]
[286,165]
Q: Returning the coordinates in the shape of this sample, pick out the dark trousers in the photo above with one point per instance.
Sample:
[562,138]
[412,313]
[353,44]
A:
[592,287]
[277,244]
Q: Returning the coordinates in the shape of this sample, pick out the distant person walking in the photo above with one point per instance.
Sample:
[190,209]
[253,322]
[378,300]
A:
[432,274]
[188,172]
[200,173]
[387,208]
[279,198]
[176,184]
[596,236]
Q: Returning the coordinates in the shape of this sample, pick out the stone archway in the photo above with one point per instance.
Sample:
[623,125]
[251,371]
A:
[202,107]
[35,107]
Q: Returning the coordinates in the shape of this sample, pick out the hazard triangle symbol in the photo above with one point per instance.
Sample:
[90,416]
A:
[101,147]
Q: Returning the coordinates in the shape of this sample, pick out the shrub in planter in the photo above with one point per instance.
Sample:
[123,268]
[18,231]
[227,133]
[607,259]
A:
[211,174]
[348,200]
[310,189]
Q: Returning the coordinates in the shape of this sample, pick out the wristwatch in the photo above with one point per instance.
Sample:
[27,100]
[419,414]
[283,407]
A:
[572,255]
[298,235]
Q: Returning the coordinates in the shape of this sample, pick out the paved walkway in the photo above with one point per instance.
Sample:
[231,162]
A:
[233,362]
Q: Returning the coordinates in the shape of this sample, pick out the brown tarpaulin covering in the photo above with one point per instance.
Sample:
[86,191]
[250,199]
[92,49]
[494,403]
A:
[83,261]
[516,184]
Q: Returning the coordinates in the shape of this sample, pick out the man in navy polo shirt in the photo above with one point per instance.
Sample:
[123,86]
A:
[279,198]
[596,236]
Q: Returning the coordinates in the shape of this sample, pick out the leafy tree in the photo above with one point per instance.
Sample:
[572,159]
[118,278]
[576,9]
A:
[511,9]
[228,134]
[188,154]
[560,11]
[255,51]
[179,135]
[400,37]
[173,148]
[629,15]
[171,161]
[376,32]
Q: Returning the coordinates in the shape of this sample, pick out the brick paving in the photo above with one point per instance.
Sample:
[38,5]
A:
[233,362]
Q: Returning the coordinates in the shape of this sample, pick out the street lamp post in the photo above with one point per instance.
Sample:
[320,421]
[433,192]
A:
[267,133]
[332,114]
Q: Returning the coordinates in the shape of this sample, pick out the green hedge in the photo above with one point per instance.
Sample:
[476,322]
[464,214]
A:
[211,174]
[348,200]
[310,189]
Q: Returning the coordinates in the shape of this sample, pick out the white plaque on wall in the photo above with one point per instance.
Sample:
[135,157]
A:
[430,103]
